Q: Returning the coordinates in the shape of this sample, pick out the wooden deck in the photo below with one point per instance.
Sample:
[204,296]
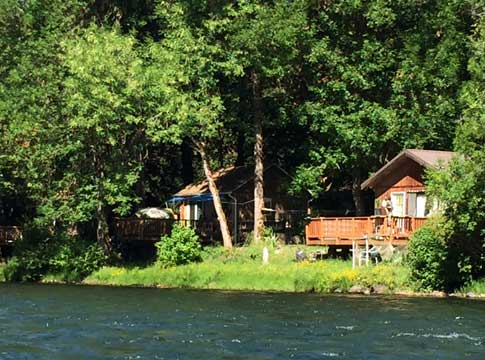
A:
[8,234]
[151,230]
[343,231]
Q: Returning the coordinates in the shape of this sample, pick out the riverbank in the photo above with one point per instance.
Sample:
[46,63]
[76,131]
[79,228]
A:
[242,269]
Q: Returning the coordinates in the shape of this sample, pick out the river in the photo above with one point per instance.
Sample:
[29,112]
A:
[77,322]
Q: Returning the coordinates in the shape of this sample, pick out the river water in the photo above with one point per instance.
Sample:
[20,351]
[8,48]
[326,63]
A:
[75,322]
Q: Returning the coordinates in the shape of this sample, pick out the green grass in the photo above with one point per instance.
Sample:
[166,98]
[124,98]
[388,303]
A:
[475,287]
[241,269]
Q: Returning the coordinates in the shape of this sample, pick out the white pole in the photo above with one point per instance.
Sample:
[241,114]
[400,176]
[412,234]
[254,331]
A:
[366,250]
[353,254]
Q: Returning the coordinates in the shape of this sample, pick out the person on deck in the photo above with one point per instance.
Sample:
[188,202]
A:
[387,205]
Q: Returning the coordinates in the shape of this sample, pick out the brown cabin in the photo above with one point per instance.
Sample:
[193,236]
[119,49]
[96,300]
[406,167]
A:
[193,206]
[401,205]
[236,187]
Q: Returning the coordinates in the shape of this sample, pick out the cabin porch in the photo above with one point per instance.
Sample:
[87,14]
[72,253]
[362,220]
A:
[346,231]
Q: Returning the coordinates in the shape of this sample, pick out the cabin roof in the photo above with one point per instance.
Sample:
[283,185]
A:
[227,180]
[425,158]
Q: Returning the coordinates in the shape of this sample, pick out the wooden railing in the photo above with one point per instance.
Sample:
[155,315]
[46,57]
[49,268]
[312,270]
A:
[344,230]
[9,234]
[338,227]
[135,229]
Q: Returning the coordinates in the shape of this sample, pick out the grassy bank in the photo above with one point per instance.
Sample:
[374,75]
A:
[242,269]
[474,287]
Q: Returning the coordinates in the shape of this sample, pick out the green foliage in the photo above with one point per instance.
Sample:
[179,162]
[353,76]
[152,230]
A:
[385,76]
[474,287]
[268,238]
[460,188]
[40,253]
[181,247]
[428,257]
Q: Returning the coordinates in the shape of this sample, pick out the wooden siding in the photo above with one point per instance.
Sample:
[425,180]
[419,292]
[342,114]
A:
[345,230]
[408,177]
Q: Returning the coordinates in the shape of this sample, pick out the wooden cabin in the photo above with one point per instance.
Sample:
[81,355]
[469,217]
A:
[236,186]
[401,205]
[194,207]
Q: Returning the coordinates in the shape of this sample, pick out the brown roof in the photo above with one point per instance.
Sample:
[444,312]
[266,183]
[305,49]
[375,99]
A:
[426,158]
[227,180]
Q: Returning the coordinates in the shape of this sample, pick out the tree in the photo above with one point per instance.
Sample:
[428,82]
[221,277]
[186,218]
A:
[104,108]
[269,41]
[183,78]
[461,187]
[31,78]
[385,76]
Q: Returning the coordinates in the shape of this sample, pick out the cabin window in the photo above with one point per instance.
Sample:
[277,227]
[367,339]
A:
[417,204]
[192,211]
[397,200]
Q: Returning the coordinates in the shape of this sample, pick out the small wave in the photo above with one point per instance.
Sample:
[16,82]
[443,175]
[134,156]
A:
[352,327]
[453,335]
[330,354]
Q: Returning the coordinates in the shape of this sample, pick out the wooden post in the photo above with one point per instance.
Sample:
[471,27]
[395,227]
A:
[366,251]
[353,254]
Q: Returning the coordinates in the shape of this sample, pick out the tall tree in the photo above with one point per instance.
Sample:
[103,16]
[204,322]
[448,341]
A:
[269,41]
[386,76]
[461,187]
[103,110]
[31,88]
[183,78]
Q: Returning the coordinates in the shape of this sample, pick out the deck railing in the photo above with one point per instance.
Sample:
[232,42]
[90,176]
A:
[138,229]
[334,230]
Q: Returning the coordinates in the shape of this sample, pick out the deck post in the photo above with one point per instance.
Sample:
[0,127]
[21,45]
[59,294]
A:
[366,250]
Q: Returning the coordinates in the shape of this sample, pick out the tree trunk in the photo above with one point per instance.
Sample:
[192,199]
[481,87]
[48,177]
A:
[221,216]
[358,194]
[102,229]
[258,159]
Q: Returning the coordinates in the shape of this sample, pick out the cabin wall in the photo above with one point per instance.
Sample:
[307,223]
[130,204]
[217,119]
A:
[406,179]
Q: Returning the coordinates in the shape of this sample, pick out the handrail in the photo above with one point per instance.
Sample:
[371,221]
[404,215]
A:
[362,226]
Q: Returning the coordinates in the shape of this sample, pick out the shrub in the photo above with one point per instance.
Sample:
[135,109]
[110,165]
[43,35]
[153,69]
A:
[181,247]
[428,256]
[41,252]
[74,259]
[268,238]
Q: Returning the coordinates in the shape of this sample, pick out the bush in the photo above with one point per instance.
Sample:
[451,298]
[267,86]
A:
[428,256]
[74,259]
[41,252]
[181,247]
[268,238]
